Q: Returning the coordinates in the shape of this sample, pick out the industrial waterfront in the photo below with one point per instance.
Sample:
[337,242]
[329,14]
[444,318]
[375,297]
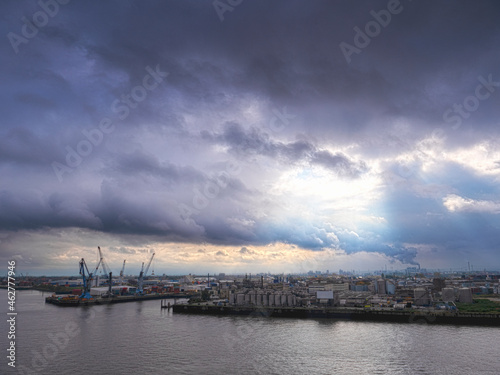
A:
[143,338]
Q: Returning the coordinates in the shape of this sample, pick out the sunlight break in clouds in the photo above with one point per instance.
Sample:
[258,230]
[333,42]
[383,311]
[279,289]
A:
[364,160]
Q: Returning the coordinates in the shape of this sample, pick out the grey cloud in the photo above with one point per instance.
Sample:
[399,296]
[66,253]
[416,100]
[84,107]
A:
[225,79]
[121,250]
[255,142]
[245,250]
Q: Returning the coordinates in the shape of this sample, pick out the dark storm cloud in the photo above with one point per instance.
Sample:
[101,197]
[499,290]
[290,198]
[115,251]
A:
[20,146]
[244,143]
[264,55]
[140,163]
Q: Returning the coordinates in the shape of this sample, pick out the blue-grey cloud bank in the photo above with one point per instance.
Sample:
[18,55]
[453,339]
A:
[367,130]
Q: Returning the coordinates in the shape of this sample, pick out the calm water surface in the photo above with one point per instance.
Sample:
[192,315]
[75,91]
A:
[141,338]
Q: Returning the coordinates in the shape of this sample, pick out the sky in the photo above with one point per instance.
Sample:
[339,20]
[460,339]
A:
[235,136]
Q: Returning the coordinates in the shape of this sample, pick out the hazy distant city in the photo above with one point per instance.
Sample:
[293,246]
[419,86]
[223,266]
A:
[412,287]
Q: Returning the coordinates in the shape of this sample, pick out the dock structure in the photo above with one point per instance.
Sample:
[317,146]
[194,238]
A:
[353,314]
[67,301]
[166,304]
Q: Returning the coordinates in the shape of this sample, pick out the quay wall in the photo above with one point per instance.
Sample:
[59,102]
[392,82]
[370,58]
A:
[405,316]
[75,302]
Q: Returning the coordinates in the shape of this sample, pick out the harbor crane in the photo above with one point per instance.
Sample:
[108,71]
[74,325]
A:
[121,272]
[87,280]
[143,273]
[97,267]
[106,270]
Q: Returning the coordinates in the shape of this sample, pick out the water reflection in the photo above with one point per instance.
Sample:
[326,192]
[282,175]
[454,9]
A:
[131,338]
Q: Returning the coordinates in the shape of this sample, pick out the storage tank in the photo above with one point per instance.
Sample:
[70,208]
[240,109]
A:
[290,299]
[448,294]
[258,299]
[390,287]
[381,287]
[252,298]
[240,299]
[421,297]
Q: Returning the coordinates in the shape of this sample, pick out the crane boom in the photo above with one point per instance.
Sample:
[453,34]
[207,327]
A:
[106,270]
[121,272]
[87,279]
[98,264]
[147,268]
[143,272]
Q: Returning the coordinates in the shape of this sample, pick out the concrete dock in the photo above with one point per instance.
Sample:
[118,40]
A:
[353,314]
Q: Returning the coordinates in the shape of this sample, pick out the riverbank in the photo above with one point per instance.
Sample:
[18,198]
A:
[353,314]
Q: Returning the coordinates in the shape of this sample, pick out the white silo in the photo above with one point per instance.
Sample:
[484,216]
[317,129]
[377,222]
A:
[240,299]
[277,299]
[258,299]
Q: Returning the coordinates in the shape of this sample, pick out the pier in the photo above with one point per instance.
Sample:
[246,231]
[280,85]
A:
[165,304]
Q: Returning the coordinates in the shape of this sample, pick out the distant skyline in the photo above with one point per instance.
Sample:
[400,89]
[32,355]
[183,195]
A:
[250,136]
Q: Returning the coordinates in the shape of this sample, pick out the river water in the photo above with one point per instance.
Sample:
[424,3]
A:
[142,338]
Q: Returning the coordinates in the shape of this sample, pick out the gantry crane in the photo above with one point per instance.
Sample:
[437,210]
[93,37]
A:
[143,273]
